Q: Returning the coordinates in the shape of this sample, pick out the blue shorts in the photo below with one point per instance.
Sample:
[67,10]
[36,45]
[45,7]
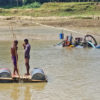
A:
[14,61]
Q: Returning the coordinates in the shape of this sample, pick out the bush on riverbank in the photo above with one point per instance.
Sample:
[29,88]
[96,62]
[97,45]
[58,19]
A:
[54,9]
[32,5]
[26,6]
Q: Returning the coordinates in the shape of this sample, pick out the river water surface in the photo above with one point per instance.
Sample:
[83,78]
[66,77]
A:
[73,74]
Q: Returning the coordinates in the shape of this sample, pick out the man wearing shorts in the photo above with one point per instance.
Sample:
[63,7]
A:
[27,48]
[14,56]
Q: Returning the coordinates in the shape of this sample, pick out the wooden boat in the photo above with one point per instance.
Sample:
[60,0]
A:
[21,79]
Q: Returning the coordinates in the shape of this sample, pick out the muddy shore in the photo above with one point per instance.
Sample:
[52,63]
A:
[11,26]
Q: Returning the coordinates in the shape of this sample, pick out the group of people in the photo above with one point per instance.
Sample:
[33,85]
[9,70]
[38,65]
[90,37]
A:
[14,56]
[70,42]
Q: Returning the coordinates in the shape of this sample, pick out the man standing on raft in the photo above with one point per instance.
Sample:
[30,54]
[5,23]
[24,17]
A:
[27,48]
[15,57]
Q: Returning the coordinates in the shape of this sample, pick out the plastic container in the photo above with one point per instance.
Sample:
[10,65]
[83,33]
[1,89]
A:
[98,46]
[61,36]
[37,74]
[5,72]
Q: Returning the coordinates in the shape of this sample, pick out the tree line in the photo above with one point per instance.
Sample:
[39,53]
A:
[23,2]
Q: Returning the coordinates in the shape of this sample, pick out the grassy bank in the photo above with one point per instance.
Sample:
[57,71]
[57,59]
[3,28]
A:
[55,9]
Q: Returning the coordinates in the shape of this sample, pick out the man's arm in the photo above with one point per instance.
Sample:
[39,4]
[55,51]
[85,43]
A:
[26,49]
[24,46]
[11,50]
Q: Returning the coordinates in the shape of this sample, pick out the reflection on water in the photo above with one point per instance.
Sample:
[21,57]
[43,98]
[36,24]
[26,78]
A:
[15,92]
[73,74]
[20,91]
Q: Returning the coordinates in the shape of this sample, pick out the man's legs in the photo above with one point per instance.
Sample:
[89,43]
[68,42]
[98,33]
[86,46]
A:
[16,70]
[27,66]
[15,66]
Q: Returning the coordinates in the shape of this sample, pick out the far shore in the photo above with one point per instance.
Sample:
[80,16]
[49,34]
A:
[75,25]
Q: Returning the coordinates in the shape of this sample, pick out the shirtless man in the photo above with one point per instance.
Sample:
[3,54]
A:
[27,48]
[15,57]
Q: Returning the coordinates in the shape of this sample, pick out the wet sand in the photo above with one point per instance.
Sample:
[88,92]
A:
[78,27]
[42,28]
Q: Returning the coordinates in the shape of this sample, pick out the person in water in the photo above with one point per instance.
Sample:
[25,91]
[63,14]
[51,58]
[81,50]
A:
[65,41]
[68,40]
[15,57]
[27,48]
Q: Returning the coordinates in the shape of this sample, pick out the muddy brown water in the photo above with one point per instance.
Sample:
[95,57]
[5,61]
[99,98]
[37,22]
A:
[73,74]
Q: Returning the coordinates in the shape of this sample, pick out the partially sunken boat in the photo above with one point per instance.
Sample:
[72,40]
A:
[37,75]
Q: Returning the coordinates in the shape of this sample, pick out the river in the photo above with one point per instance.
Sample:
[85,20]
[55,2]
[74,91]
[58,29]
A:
[73,73]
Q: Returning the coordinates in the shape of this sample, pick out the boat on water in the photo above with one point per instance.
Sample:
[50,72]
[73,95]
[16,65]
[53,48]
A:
[37,75]
[88,41]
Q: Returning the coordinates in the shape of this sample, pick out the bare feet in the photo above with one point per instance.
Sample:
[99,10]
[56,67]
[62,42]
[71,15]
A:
[13,74]
[27,74]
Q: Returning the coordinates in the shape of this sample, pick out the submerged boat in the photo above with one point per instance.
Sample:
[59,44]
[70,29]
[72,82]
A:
[37,75]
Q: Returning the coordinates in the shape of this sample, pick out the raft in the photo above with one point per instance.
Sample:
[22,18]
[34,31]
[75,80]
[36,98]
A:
[37,75]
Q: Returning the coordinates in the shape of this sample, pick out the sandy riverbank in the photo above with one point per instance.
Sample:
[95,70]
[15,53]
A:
[46,28]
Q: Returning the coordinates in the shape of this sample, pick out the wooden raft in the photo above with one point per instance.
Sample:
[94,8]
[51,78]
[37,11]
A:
[21,79]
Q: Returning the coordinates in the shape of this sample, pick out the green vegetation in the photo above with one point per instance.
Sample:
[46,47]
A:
[32,5]
[12,3]
[54,9]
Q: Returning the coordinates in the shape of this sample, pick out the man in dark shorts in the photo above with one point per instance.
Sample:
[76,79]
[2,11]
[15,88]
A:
[27,48]
[15,57]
